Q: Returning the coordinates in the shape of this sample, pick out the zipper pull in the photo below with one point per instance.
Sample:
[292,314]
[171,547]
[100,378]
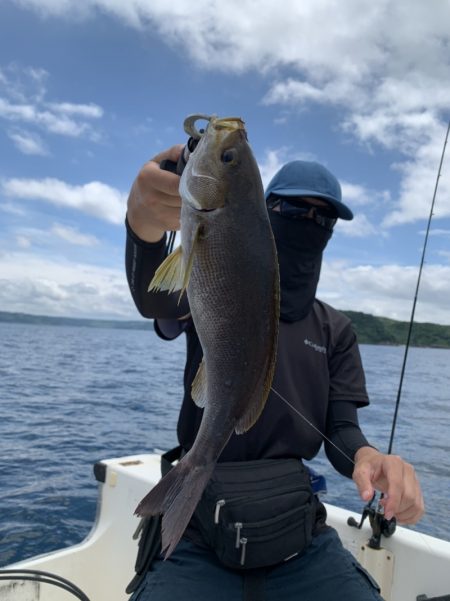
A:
[243,542]
[219,504]
[238,526]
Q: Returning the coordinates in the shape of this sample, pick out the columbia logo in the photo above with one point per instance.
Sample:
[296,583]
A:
[316,347]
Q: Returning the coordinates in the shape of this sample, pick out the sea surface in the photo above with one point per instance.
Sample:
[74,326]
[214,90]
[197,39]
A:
[71,396]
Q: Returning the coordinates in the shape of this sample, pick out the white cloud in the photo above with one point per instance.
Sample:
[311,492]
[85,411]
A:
[53,287]
[28,143]
[357,195]
[358,227]
[445,254]
[92,111]
[384,65]
[272,161]
[63,288]
[317,37]
[12,209]
[73,236]
[23,101]
[51,121]
[95,198]
[419,176]
[23,242]
[436,232]
[388,290]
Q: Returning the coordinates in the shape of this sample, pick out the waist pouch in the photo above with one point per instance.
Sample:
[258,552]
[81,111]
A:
[257,513]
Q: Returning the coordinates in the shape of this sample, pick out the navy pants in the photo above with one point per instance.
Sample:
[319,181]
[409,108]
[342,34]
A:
[324,572]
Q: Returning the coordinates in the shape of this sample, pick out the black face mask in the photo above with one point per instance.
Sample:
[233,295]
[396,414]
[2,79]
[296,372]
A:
[300,243]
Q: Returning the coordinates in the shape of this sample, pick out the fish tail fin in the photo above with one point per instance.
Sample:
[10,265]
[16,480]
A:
[176,496]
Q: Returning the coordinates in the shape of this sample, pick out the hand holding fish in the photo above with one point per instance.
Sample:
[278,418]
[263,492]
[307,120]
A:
[395,478]
[154,203]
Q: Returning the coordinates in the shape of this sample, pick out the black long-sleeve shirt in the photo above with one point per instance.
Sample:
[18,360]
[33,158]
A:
[318,371]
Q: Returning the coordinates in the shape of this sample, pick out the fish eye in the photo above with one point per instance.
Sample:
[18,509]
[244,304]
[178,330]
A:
[229,156]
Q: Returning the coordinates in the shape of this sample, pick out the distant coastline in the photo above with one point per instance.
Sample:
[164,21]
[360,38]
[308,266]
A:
[27,318]
[369,329]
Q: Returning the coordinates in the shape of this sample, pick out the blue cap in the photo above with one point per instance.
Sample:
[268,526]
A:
[306,178]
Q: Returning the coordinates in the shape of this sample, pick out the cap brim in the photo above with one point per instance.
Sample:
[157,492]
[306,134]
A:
[342,210]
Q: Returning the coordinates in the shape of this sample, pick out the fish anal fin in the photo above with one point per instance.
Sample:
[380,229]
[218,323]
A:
[199,386]
[256,405]
[247,420]
[169,275]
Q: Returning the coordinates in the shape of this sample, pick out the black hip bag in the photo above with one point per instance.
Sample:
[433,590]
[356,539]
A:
[257,513]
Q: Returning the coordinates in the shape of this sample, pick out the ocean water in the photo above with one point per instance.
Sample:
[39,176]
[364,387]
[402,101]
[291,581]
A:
[71,396]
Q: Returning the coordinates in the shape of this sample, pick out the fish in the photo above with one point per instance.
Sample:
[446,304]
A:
[227,265]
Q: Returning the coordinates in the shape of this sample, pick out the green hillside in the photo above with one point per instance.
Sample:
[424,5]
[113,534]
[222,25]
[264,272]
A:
[75,322]
[370,329]
[381,330]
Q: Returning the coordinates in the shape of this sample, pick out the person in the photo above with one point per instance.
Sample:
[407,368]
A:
[318,370]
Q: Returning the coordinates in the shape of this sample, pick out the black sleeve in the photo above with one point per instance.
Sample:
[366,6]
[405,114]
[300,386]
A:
[141,261]
[344,433]
[347,379]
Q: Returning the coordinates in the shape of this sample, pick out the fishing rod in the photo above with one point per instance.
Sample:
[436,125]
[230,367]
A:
[380,525]
[413,311]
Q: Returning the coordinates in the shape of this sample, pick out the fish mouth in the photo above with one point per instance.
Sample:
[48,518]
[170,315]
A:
[226,123]
[229,123]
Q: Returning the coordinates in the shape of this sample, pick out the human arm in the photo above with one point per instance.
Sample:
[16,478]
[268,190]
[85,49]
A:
[344,436]
[372,469]
[153,207]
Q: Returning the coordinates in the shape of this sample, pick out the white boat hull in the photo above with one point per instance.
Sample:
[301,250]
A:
[409,564]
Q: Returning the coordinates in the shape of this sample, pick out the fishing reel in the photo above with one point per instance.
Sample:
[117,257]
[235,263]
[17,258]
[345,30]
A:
[379,524]
[194,138]
[178,167]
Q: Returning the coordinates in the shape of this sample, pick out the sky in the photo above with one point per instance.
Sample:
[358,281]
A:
[92,89]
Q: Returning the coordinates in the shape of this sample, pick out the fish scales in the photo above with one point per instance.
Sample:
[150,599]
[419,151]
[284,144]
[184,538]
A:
[228,266]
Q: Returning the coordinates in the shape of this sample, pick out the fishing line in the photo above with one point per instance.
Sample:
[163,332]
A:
[312,425]
[170,242]
[408,340]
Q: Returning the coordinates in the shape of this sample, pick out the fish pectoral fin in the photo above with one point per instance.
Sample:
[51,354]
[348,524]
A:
[198,388]
[190,259]
[169,275]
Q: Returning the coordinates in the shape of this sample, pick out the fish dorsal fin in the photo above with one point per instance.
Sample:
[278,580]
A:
[199,388]
[169,275]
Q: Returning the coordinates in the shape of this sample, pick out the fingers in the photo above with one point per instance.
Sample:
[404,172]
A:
[154,202]
[396,479]
[404,498]
[391,482]
[155,184]
[171,154]
[362,476]
[366,471]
